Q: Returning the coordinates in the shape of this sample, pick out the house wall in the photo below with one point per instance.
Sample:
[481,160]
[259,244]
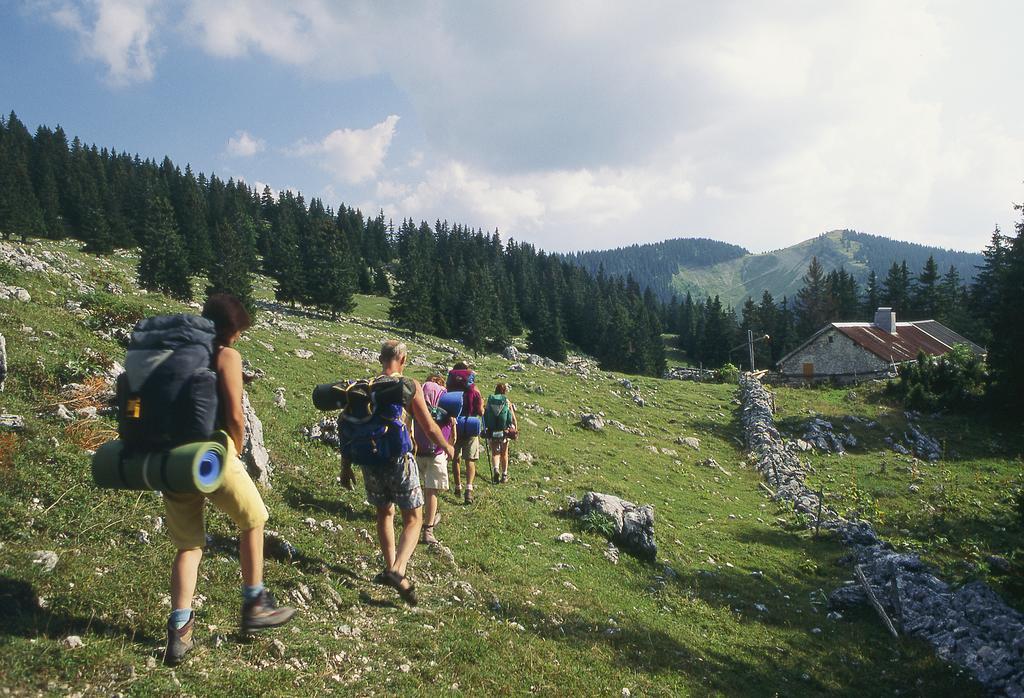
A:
[840,357]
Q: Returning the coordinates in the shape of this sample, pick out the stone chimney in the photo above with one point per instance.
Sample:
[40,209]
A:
[885,319]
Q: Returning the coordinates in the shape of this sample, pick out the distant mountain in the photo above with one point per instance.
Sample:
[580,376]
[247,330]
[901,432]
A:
[708,268]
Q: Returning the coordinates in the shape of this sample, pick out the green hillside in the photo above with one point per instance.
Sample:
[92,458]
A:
[707,268]
[734,604]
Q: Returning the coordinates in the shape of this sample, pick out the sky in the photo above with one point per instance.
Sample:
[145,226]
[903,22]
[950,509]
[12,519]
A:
[572,125]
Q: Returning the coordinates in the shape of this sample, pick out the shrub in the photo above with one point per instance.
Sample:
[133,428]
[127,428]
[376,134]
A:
[728,373]
[954,381]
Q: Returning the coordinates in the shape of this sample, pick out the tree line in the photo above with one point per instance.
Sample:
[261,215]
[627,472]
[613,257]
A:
[444,279]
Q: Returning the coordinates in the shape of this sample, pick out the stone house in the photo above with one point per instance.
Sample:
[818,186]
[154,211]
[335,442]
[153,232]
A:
[846,352]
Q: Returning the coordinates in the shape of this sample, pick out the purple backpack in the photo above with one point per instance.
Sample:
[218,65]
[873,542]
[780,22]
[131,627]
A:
[432,393]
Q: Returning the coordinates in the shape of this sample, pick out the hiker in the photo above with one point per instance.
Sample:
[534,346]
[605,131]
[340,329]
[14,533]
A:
[502,427]
[237,497]
[467,447]
[432,460]
[397,482]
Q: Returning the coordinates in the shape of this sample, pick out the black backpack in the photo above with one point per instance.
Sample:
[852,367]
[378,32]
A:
[167,395]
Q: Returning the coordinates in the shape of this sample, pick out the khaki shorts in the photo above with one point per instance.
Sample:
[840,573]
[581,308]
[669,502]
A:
[237,497]
[433,471]
[468,448]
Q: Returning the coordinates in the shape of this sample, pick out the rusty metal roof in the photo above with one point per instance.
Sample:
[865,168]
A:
[904,345]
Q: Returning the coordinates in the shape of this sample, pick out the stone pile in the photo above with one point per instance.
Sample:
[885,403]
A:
[633,524]
[820,434]
[924,446]
[686,373]
[970,626]
[325,431]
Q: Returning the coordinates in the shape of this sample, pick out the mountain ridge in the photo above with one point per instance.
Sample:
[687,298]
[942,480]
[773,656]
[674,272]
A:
[705,267]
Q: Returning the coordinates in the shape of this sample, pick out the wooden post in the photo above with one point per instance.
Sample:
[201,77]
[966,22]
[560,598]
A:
[874,601]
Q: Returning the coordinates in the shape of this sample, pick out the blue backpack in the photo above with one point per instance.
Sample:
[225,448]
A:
[371,428]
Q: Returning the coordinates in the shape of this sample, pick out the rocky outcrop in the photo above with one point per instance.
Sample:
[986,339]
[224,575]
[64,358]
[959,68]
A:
[593,422]
[633,524]
[14,293]
[254,450]
[3,361]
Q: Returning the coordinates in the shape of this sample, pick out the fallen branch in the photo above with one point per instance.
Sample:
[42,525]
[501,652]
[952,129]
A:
[874,601]
[767,489]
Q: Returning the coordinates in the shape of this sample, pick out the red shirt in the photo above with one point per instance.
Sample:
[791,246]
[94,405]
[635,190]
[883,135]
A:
[472,402]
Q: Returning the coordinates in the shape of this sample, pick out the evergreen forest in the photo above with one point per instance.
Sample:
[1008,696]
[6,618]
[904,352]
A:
[454,281]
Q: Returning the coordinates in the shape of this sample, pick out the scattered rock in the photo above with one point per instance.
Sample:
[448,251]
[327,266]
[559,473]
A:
[88,412]
[14,293]
[685,373]
[691,441]
[591,421]
[565,537]
[72,642]
[611,553]
[12,421]
[254,451]
[142,536]
[998,564]
[278,545]
[633,524]
[304,353]
[64,413]
[277,648]
[46,559]
[3,362]
[510,353]
[279,399]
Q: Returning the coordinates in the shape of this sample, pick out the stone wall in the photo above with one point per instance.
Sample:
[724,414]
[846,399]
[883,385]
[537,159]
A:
[834,354]
[970,626]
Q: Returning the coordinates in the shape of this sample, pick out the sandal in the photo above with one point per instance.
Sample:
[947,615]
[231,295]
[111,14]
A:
[380,578]
[408,593]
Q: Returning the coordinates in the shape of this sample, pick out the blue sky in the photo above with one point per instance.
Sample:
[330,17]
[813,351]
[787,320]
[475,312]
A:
[572,125]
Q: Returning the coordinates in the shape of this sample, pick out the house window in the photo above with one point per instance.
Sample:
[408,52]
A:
[830,338]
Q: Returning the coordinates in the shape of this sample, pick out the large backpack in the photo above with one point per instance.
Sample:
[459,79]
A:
[167,395]
[497,414]
[433,394]
[370,426]
[459,379]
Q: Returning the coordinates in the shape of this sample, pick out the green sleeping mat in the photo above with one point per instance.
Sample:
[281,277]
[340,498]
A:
[193,467]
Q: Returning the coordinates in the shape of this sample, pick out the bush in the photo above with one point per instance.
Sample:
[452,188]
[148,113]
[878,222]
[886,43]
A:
[107,310]
[728,373]
[596,522]
[954,381]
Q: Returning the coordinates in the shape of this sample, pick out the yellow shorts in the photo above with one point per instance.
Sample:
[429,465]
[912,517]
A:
[237,497]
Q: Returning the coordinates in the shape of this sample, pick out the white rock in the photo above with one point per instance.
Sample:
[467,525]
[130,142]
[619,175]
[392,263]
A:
[304,353]
[565,537]
[72,642]
[47,559]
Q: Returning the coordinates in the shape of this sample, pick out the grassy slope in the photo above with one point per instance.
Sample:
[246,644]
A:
[780,272]
[955,512]
[538,615]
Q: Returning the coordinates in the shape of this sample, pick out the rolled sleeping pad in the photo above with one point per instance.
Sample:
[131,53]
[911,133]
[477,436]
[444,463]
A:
[330,396]
[451,402]
[468,426]
[193,467]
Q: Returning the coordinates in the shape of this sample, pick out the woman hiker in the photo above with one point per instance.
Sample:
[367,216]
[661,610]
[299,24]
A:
[237,497]
[432,461]
[502,427]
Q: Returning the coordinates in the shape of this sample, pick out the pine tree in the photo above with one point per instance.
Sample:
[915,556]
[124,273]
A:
[813,302]
[229,272]
[926,291]
[96,232]
[872,295]
[546,336]
[163,265]
[1007,328]
[896,289]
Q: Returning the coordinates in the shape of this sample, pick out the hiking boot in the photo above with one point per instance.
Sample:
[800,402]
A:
[469,496]
[428,536]
[504,477]
[262,612]
[179,641]
[495,475]
[458,492]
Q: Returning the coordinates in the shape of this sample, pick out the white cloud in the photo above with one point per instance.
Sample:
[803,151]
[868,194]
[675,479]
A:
[243,145]
[583,123]
[115,32]
[351,155]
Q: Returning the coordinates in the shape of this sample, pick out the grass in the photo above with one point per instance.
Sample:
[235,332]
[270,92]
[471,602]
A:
[955,512]
[517,612]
